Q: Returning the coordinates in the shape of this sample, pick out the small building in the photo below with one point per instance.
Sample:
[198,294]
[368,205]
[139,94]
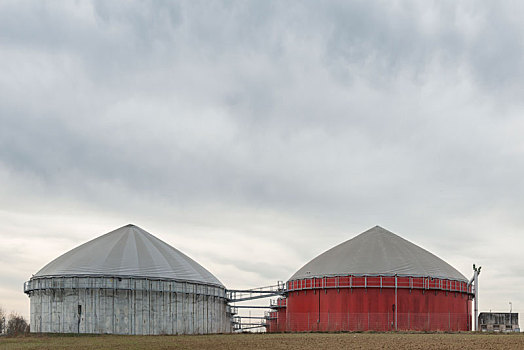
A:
[499,322]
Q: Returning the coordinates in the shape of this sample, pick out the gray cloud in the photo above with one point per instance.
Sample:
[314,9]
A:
[289,126]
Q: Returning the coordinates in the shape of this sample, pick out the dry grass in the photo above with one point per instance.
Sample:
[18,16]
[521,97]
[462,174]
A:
[300,341]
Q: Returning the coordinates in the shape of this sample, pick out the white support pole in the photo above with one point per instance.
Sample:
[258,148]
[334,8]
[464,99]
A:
[476,277]
[474,282]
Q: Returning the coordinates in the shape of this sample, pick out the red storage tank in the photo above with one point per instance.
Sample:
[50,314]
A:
[271,321]
[276,318]
[377,281]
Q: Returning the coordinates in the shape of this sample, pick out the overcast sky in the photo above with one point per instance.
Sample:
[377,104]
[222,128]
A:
[255,135]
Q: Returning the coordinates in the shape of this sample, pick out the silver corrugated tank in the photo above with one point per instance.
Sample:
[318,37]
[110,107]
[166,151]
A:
[127,282]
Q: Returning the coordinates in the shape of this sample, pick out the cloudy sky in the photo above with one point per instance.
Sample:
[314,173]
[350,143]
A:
[255,135]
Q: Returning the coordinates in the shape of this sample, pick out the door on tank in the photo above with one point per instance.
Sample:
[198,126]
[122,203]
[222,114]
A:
[79,317]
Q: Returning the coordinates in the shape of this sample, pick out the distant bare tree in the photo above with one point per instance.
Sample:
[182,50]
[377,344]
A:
[17,325]
[2,320]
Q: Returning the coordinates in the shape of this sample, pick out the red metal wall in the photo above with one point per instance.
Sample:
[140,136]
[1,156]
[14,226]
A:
[354,303]
[276,321]
[271,322]
[281,320]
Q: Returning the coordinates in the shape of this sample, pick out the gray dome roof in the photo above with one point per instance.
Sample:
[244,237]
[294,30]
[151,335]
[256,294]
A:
[378,252]
[128,252]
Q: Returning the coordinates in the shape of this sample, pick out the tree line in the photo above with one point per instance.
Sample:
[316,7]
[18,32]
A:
[12,324]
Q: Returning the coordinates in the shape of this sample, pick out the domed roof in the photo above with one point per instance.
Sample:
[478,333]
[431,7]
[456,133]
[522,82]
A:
[378,252]
[128,252]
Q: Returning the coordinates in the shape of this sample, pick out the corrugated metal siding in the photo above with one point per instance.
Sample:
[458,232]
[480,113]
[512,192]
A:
[143,307]
[362,303]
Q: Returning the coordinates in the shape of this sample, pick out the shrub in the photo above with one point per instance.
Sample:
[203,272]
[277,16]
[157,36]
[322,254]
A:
[17,325]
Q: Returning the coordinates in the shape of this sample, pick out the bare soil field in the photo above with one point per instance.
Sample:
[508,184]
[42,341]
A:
[296,341]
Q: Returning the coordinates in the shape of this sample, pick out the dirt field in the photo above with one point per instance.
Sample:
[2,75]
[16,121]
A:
[272,341]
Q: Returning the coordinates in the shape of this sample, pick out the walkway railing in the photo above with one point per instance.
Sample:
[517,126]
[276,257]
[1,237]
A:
[238,295]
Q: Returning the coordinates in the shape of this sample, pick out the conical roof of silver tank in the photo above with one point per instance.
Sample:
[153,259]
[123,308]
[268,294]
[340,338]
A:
[128,252]
[378,252]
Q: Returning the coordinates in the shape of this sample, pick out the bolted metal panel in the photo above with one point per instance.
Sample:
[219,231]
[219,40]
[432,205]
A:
[378,303]
[126,306]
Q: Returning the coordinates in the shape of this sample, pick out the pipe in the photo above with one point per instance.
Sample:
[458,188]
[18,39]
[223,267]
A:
[396,302]
[476,276]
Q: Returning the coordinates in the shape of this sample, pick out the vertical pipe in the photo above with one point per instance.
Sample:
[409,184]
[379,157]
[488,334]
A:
[113,312]
[149,307]
[476,300]
[396,301]
[318,319]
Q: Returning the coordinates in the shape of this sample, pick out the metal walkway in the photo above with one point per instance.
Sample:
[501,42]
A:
[238,295]
[243,323]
